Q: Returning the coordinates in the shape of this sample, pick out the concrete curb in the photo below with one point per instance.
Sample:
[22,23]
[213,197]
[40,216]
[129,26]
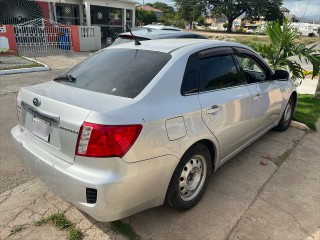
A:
[299,125]
[26,70]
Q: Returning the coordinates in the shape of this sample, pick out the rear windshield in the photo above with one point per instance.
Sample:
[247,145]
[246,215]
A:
[120,72]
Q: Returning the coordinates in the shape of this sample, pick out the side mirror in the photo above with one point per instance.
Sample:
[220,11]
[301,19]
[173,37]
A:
[281,75]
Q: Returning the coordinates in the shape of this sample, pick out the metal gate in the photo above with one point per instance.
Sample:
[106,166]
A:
[42,35]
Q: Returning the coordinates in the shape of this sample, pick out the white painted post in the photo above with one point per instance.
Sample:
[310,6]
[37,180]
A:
[54,12]
[88,14]
[51,12]
[133,18]
[81,14]
[124,20]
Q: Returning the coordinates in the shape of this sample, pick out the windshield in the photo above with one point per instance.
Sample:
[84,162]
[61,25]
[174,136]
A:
[120,72]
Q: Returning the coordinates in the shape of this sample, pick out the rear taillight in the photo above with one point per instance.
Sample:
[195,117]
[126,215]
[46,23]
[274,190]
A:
[97,140]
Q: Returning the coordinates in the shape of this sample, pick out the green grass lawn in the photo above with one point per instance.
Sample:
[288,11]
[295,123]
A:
[308,110]
[8,62]
[246,38]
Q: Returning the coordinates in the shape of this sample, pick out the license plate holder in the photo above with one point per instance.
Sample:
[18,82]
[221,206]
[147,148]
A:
[41,128]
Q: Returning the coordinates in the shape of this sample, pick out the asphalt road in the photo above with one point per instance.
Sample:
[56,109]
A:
[12,172]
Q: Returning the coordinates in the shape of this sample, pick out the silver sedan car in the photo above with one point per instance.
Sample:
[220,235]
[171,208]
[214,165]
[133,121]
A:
[136,126]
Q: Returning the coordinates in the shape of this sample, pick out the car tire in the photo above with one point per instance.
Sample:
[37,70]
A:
[190,178]
[286,116]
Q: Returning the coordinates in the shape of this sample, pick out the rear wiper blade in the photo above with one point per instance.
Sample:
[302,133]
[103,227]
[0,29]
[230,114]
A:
[69,78]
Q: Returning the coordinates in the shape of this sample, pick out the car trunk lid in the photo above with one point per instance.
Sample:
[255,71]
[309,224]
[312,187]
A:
[52,114]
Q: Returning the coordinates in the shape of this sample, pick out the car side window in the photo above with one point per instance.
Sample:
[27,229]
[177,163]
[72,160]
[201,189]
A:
[253,72]
[190,78]
[193,36]
[218,72]
[187,36]
[200,37]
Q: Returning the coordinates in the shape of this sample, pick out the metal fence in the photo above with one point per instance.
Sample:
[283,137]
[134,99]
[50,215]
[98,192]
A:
[42,35]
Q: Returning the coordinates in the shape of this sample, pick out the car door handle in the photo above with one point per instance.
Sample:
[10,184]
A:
[257,97]
[214,109]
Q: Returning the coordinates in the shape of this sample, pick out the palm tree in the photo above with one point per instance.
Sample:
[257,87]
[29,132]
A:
[282,46]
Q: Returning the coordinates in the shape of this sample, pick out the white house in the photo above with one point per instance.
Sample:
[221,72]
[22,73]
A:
[111,15]
[306,28]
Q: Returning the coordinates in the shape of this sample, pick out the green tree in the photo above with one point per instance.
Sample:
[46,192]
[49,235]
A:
[190,10]
[165,8]
[168,19]
[282,46]
[200,20]
[169,15]
[270,9]
[145,17]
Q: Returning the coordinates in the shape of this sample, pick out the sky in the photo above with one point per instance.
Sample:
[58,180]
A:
[299,8]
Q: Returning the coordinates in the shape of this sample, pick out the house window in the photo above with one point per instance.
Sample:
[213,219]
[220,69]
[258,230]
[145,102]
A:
[110,20]
[115,17]
[129,18]
[68,14]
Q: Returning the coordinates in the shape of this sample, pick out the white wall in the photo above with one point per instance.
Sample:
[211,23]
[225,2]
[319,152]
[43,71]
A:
[90,38]
[306,28]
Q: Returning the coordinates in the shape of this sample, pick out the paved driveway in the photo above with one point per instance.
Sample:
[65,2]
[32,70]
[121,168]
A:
[269,191]
[250,197]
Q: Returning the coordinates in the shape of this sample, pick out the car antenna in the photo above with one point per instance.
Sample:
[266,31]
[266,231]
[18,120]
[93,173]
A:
[136,42]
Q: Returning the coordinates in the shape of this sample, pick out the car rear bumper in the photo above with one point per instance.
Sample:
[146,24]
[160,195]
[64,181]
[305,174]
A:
[122,189]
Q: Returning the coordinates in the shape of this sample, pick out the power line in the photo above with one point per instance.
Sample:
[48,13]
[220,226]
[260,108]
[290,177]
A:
[305,11]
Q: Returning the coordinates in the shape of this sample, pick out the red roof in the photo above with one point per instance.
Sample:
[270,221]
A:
[148,8]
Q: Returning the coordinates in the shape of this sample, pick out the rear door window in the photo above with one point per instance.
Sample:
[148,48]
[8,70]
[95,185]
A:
[120,72]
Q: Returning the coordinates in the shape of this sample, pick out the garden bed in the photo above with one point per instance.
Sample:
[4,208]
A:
[10,64]
[16,62]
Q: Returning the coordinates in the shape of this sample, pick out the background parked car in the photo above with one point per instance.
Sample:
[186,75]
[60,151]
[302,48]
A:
[158,27]
[149,34]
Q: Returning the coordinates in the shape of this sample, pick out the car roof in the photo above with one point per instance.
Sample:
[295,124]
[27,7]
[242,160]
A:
[156,34]
[171,45]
